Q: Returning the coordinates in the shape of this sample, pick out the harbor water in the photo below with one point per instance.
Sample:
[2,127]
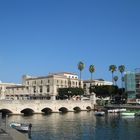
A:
[81,126]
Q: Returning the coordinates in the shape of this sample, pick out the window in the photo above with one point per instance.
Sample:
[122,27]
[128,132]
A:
[73,83]
[84,85]
[40,89]
[27,82]
[34,89]
[69,83]
[48,88]
[34,82]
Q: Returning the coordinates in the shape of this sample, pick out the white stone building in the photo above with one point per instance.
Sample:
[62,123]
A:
[3,88]
[42,87]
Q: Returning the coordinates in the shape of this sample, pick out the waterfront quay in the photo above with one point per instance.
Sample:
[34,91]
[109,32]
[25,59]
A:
[127,106]
[8,133]
[12,134]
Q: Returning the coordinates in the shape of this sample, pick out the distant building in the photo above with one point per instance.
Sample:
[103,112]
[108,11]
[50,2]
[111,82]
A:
[98,82]
[3,87]
[132,84]
[42,86]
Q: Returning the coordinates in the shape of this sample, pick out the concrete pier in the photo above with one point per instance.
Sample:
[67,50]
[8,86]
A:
[12,134]
[8,133]
[4,135]
[16,135]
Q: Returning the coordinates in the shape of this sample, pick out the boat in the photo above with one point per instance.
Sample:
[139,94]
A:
[20,127]
[128,113]
[128,117]
[99,113]
[112,110]
[122,110]
[116,110]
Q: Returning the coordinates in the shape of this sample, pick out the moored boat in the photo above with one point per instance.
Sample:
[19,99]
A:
[128,113]
[99,113]
[112,110]
[122,110]
[118,110]
[20,126]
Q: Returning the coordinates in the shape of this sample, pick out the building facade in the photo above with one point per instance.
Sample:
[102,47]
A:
[42,87]
[132,84]
[137,78]
[3,88]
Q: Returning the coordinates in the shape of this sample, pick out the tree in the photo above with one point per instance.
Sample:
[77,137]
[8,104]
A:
[122,69]
[115,78]
[91,70]
[112,68]
[104,90]
[138,95]
[122,82]
[64,93]
[80,68]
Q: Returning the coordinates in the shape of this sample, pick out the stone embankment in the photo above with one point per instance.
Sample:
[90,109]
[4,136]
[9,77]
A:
[127,106]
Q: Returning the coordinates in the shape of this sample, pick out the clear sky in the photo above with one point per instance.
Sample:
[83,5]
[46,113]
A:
[42,36]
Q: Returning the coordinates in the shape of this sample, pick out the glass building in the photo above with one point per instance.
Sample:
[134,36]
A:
[137,79]
[132,84]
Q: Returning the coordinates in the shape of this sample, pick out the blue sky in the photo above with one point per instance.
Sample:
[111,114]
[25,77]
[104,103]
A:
[42,36]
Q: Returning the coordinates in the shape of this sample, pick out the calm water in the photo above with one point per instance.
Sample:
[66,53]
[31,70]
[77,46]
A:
[81,126]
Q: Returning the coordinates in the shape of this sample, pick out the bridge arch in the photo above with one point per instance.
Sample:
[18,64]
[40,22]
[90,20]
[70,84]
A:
[5,111]
[46,110]
[63,110]
[88,108]
[27,111]
[77,109]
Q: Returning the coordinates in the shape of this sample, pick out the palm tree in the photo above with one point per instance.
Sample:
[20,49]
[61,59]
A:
[91,70]
[80,68]
[112,68]
[122,69]
[122,81]
[115,78]
[122,78]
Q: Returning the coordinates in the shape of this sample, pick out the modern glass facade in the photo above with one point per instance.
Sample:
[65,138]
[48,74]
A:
[132,83]
[137,78]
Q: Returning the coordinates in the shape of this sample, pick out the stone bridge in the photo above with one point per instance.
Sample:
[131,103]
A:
[43,106]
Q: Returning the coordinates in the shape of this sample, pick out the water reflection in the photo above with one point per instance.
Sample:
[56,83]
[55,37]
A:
[80,126]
